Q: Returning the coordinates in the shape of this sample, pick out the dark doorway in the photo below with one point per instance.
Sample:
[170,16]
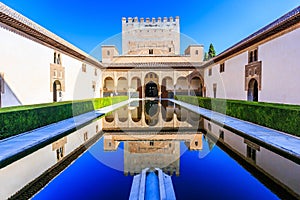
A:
[151,112]
[253,90]
[56,90]
[151,90]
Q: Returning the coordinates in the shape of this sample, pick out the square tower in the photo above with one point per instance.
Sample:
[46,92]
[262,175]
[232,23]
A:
[150,37]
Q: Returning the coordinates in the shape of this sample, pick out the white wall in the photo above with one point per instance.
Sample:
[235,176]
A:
[26,67]
[230,83]
[280,69]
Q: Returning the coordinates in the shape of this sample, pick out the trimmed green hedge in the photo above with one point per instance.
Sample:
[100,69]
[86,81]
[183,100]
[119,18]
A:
[19,119]
[282,117]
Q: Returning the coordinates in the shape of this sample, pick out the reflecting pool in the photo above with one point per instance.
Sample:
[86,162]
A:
[205,160]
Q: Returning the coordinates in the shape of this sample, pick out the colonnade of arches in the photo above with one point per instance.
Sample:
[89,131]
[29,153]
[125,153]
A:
[151,85]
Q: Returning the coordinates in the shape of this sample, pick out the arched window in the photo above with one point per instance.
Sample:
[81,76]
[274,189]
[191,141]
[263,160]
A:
[58,59]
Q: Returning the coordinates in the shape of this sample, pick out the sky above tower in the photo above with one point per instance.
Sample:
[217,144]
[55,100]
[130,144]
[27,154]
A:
[88,23]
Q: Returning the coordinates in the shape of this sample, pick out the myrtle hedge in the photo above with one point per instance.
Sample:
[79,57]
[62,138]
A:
[282,117]
[19,119]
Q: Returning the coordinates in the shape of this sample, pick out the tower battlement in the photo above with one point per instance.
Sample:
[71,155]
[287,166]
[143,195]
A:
[149,20]
[150,35]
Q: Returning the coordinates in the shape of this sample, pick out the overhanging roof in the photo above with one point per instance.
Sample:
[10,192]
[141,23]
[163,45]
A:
[284,22]
[16,22]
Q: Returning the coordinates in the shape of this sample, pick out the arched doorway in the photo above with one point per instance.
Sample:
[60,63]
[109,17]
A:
[122,86]
[123,114]
[56,90]
[151,85]
[167,88]
[136,113]
[151,112]
[137,86]
[182,86]
[108,88]
[196,87]
[253,90]
[151,90]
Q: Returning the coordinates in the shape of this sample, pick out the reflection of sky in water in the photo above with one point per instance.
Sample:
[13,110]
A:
[214,176]
[87,178]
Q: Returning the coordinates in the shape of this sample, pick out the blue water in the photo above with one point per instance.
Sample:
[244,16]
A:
[214,176]
[87,178]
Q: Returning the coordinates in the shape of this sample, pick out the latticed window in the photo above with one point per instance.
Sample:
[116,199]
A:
[253,56]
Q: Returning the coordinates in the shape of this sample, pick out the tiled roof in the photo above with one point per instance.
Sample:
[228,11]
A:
[24,26]
[153,62]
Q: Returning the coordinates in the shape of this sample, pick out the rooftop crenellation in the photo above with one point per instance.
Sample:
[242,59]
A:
[149,20]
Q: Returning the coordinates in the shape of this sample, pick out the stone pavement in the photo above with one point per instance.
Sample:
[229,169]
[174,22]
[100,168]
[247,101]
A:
[276,139]
[16,147]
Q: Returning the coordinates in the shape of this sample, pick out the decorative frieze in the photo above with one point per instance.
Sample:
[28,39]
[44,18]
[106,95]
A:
[57,72]
[253,71]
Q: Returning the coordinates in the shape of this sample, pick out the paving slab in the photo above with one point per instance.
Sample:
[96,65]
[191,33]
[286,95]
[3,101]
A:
[280,140]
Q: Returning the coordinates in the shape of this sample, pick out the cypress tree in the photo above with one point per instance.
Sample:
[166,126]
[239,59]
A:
[211,51]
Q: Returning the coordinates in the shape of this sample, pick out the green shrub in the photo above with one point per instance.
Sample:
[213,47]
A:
[282,117]
[19,119]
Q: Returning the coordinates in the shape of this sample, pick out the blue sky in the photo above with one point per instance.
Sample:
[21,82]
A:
[90,22]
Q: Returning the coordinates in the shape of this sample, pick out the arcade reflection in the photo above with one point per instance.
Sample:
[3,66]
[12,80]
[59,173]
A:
[152,132]
[163,115]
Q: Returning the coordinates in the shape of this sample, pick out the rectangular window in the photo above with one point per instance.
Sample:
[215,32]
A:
[209,126]
[222,67]
[215,90]
[255,55]
[150,51]
[251,153]
[170,49]
[95,72]
[221,134]
[54,58]
[209,72]
[83,67]
[58,59]
[151,143]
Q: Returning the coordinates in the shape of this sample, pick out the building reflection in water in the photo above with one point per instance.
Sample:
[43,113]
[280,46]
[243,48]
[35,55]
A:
[158,151]
[152,132]
[153,114]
